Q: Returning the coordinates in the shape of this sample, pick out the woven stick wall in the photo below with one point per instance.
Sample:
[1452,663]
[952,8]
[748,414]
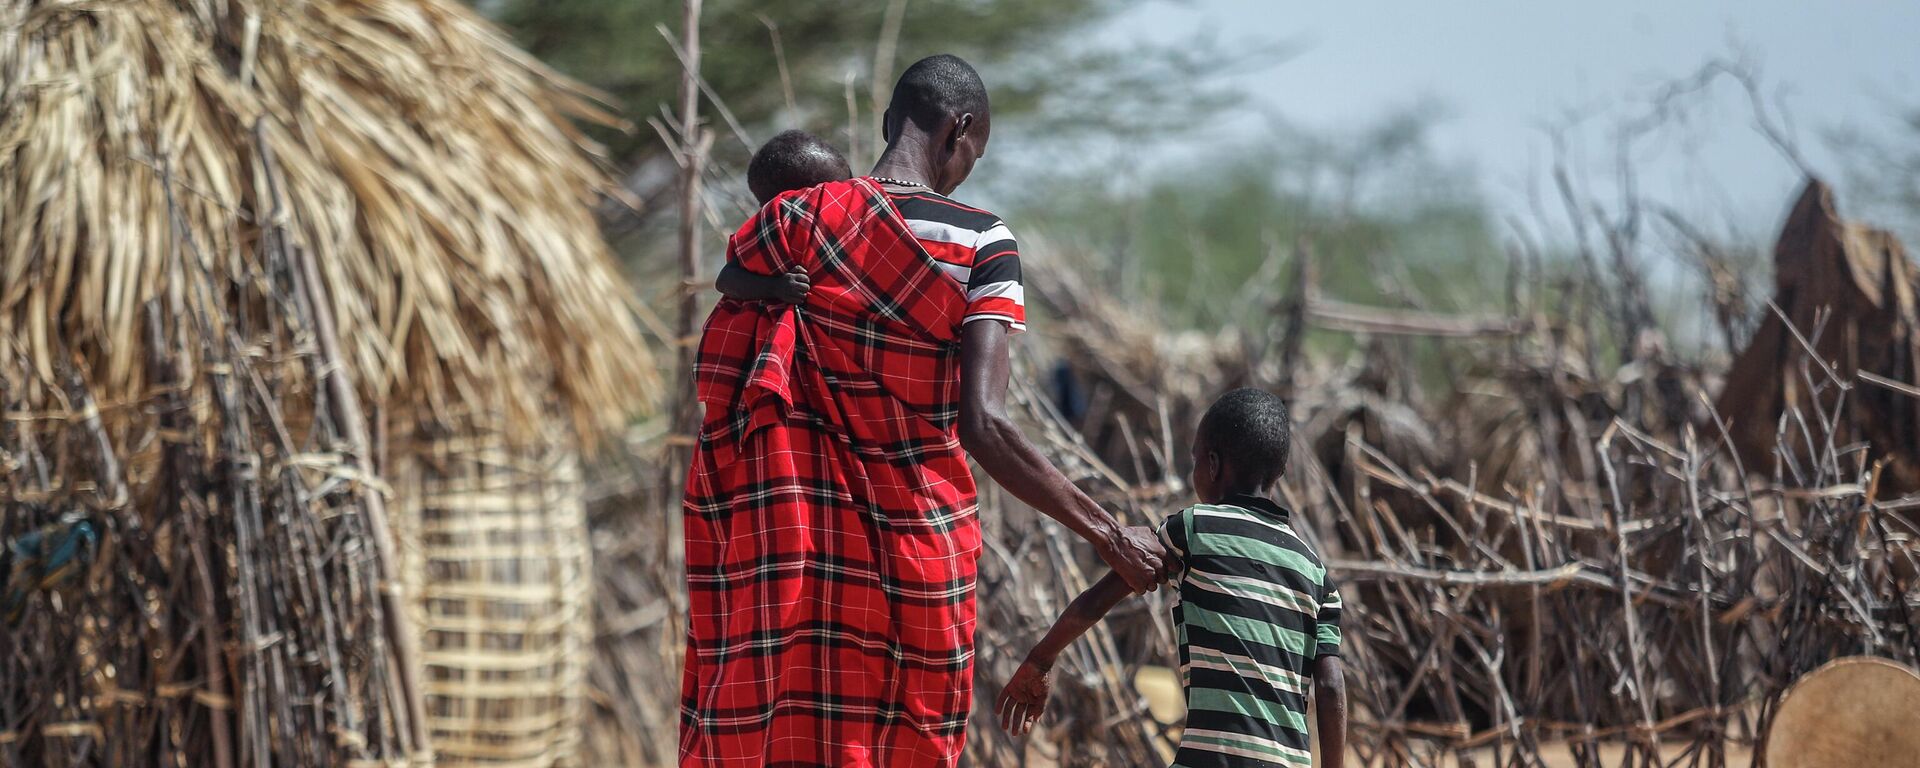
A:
[201,574]
[496,554]
[1585,571]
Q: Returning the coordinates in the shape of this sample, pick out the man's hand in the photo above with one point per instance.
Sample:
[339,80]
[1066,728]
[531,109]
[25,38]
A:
[1024,698]
[794,285]
[1135,553]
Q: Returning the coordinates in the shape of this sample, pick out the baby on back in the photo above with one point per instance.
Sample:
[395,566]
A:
[789,161]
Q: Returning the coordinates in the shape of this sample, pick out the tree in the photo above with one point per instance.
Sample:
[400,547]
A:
[1388,222]
[757,51]
[826,67]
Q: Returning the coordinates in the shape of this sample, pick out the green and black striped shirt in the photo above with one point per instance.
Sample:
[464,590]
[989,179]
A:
[1256,607]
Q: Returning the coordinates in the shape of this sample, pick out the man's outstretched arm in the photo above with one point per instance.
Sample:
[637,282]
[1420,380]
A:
[993,440]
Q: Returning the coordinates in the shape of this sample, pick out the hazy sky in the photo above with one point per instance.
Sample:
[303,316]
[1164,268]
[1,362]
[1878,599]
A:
[1502,70]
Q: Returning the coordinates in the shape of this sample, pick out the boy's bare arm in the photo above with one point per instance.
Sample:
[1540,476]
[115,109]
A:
[1025,696]
[736,282]
[1084,612]
[1330,710]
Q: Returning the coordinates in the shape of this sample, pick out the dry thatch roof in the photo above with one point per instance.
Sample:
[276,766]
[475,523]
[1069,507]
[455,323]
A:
[1848,291]
[428,165]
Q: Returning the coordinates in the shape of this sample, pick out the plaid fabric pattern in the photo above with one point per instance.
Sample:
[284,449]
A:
[830,514]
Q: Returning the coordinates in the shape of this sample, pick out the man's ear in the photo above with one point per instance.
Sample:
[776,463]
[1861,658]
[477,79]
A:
[961,125]
[887,130]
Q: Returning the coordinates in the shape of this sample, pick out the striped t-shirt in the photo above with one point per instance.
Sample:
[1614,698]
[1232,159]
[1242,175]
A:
[1255,609]
[973,247]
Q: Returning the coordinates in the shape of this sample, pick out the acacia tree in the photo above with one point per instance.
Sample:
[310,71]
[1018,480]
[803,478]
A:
[825,67]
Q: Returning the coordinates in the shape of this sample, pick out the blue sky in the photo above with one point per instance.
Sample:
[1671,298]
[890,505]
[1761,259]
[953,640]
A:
[1500,71]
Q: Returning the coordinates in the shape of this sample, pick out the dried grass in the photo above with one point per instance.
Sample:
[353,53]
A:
[444,194]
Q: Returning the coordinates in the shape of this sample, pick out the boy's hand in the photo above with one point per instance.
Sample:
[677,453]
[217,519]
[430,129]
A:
[1024,698]
[794,285]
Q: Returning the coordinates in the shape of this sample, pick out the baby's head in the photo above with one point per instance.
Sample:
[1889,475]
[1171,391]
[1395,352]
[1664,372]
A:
[794,160]
[1241,445]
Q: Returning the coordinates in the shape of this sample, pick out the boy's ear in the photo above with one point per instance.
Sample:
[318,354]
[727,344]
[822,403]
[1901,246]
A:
[1216,469]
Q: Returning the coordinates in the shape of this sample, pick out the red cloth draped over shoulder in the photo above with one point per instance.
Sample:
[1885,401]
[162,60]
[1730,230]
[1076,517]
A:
[830,515]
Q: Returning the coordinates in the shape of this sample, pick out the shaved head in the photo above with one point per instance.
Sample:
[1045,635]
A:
[937,89]
[937,124]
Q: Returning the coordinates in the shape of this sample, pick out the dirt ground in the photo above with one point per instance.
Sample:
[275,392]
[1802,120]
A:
[1609,755]
[1043,757]
[1556,757]
[1161,687]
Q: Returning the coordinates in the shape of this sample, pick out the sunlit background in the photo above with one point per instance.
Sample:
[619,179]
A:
[1420,146]
[312,351]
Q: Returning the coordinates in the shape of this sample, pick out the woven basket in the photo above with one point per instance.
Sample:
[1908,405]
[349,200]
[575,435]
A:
[494,547]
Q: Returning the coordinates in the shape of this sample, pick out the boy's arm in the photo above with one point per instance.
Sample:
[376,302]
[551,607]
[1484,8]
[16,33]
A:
[1330,710]
[737,282]
[1084,612]
[1329,678]
[1025,696]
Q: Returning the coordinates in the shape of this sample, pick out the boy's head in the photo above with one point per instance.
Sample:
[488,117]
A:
[1241,445]
[794,160]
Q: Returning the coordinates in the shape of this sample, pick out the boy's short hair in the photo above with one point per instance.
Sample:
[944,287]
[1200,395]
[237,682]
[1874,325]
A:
[1251,431]
[794,160]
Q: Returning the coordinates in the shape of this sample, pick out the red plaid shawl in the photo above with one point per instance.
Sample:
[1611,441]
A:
[831,536]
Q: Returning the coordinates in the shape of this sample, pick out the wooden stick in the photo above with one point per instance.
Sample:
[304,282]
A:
[694,142]
[349,420]
[1354,318]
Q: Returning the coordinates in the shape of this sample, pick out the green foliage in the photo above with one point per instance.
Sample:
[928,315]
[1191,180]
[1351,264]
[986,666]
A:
[1056,82]
[828,50]
[1386,223]
[1210,243]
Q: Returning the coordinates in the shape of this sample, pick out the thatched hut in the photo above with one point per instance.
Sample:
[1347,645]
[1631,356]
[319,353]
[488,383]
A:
[1849,292]
[304,327]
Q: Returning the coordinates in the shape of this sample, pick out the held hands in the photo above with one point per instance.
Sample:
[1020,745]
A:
[1024,698]
[793,286]
[1135,554]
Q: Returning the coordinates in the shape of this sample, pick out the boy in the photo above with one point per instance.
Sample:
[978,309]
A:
[792,160]
[1256,612]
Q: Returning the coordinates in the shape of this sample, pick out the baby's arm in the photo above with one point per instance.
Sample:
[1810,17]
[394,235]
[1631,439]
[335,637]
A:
[737,282]
[1025,696]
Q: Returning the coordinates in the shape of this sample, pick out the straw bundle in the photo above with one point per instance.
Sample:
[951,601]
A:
[265,266]
[441,192]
